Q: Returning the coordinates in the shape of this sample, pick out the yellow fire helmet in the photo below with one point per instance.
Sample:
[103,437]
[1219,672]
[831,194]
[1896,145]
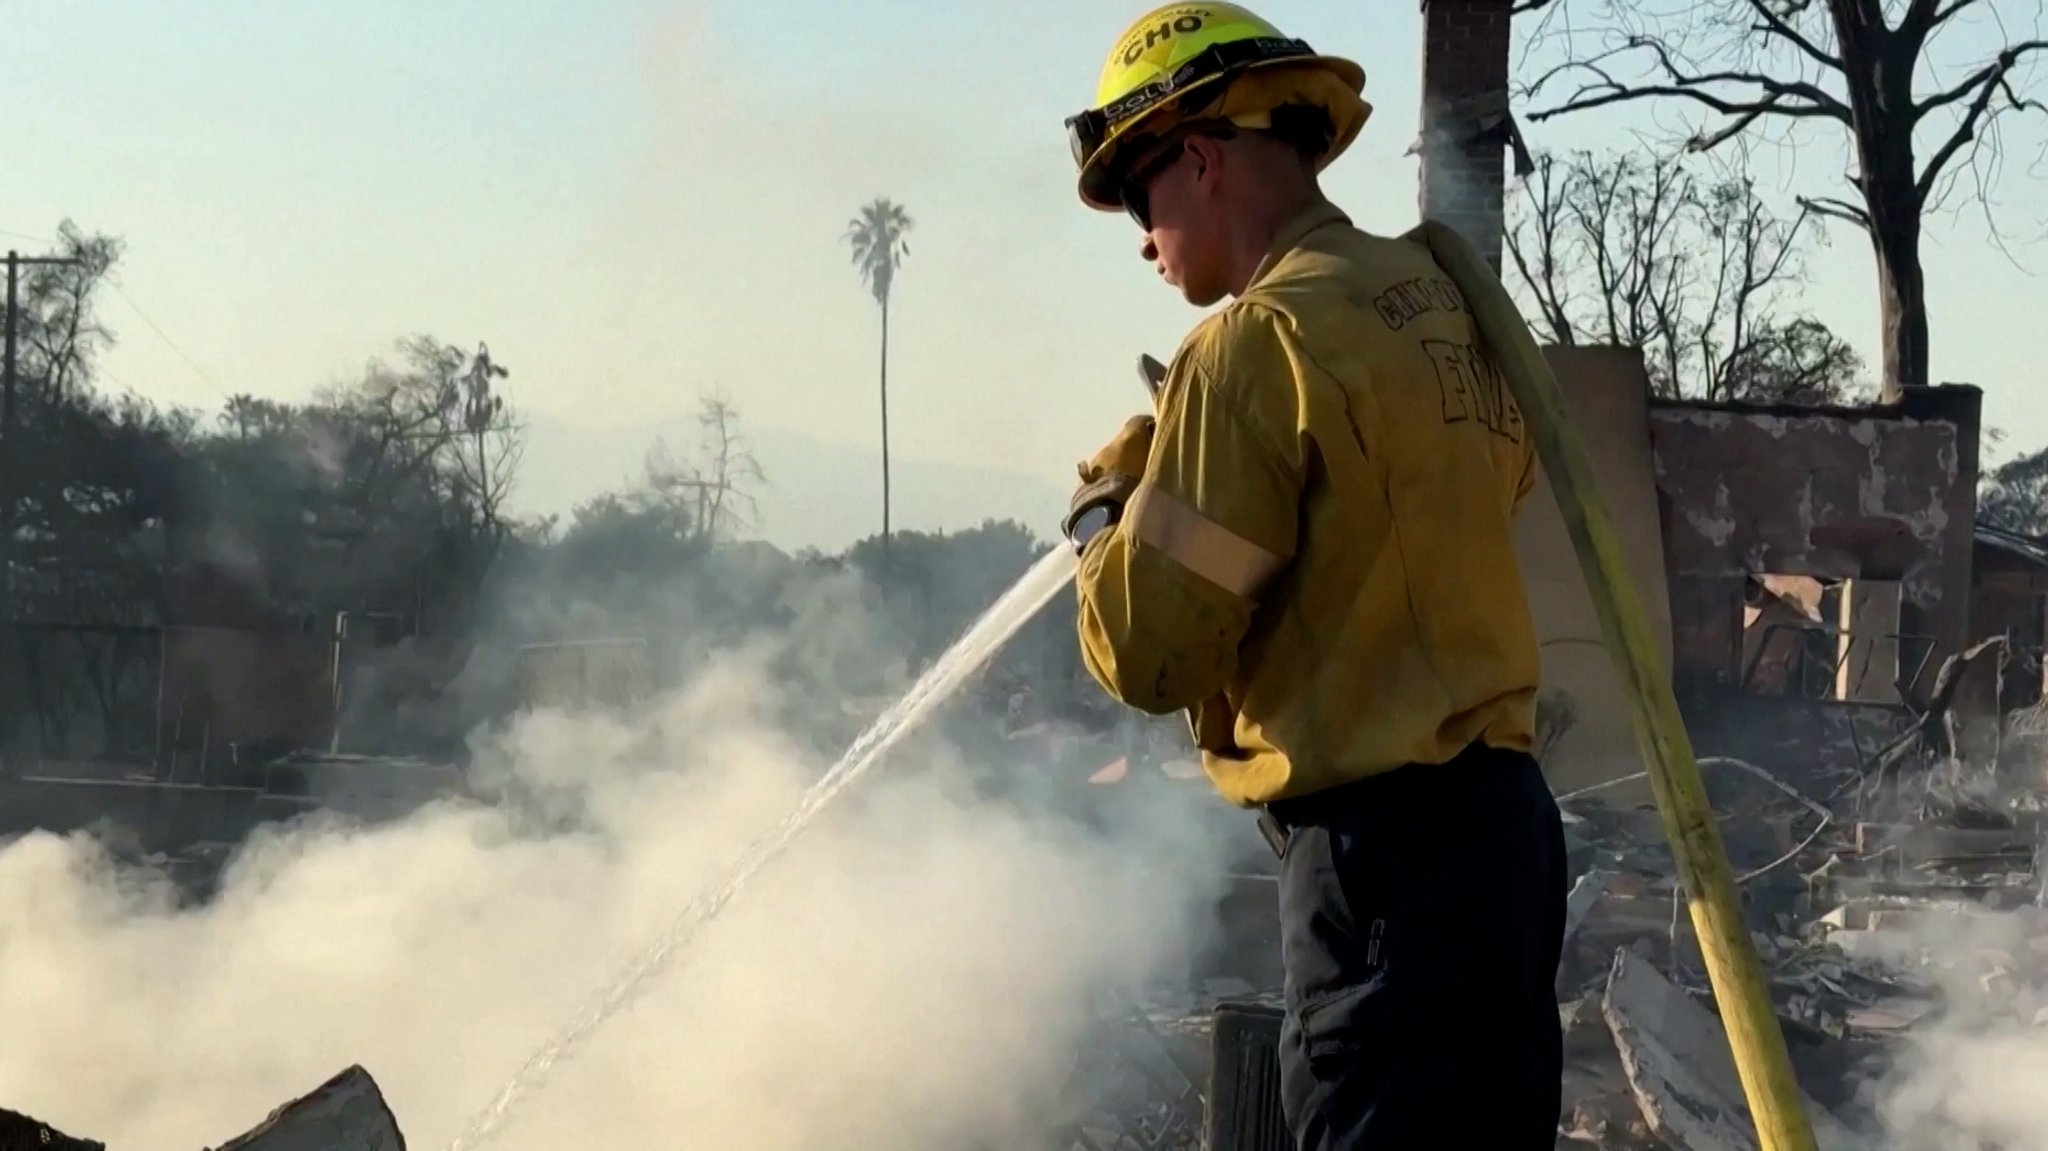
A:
[1185,62]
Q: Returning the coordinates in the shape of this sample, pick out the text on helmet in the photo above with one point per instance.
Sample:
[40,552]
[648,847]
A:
[1185,23]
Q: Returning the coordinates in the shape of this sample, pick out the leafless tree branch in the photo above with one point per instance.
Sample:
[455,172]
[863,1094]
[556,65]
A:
[1790,98]
[1836,209]
[1785,61]
[1771,23]
[1534,246]
[1708,141]
[1988,83]
[1694,273]
[1942,16]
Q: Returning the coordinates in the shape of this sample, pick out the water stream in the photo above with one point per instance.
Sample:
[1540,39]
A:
[994,628]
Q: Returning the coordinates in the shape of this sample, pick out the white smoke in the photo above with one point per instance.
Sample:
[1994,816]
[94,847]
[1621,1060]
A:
[1971,1079]
[909,976]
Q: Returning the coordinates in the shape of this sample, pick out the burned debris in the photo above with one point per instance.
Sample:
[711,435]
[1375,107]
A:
[1858,927]
[1860,669]
[21,1133]
[347,1111]
[1859,664]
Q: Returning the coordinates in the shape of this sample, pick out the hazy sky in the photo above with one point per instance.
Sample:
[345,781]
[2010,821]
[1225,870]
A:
[635,200]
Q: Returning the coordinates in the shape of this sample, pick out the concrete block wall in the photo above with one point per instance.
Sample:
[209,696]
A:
[1883,494]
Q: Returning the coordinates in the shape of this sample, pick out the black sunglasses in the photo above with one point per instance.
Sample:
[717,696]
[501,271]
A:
[1135,189]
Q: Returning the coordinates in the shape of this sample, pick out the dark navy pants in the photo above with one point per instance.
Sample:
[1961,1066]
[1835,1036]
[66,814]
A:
[1421,919]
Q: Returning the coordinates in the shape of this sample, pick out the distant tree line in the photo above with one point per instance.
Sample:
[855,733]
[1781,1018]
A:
[388,495]
[2014,495]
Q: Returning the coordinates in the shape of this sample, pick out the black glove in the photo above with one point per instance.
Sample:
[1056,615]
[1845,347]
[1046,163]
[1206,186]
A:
[1096,507]
[1107,480]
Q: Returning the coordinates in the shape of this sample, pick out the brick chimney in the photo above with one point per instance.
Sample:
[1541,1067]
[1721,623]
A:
[1464,117]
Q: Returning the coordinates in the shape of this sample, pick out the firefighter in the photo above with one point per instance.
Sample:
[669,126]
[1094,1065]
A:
[1308,549]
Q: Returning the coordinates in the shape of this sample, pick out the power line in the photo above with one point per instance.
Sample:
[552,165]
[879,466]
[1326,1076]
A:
[130,301]
[166,338]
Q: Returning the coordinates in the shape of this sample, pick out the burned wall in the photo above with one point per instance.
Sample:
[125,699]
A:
[2010,600]
[223,687]
[1583,712]
[1882,494]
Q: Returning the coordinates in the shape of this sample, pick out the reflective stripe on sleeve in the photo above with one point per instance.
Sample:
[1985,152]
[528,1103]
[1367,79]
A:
[1200,545]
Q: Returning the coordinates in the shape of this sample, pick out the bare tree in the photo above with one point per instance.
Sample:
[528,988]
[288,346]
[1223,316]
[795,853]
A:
[436,418]
[735,471]
[1694,271]
[1863,65]
[713,496]
[486,454]
[878,237]
[60,330]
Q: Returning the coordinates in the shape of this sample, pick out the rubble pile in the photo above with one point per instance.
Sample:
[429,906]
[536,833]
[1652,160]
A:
[347,1111]
[21,1133]
[1136,1082]
[1882,910]
[1876,918]
[1870,931]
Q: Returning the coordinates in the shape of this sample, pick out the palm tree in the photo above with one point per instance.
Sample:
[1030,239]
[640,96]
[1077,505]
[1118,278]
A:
[877,236]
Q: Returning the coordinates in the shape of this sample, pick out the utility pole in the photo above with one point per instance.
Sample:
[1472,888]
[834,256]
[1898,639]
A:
[10,455]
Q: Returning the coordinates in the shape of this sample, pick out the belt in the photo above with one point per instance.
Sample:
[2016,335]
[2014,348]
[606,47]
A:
[1279,818]
[1275,832]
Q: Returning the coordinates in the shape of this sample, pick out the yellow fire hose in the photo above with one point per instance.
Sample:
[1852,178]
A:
[1732,966]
